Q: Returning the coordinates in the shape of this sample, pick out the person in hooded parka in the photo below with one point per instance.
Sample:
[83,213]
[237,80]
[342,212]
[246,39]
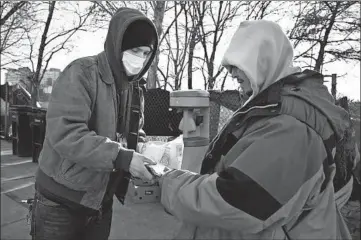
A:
[82,153]
[266,175]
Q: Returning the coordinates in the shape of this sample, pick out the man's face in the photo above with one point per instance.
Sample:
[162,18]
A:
[143,52]
[135,59]
[244,82]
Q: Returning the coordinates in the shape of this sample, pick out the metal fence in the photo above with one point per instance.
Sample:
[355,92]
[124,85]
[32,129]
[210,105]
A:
[161,122]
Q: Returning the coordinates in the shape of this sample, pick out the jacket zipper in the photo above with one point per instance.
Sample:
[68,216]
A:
[234,115]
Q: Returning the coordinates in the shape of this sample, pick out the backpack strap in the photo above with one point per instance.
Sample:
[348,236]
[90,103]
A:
[134,117]
[131,132]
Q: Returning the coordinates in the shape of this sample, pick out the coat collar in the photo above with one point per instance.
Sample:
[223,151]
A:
[104,69]
[106,72]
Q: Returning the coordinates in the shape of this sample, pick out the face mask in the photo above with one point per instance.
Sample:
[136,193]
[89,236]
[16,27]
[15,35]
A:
[133,64]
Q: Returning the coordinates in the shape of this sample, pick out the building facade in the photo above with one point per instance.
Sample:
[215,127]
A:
[48,80]
[50,76]
[14,76]
[24,74]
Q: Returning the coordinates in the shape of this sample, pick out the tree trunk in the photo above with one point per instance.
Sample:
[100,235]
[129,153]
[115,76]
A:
[211,77]
[211,82]
[34,94]
[321,53]
[158,22]
[152,73]
[224,81]
[192,45]
[320,57]
[36,78]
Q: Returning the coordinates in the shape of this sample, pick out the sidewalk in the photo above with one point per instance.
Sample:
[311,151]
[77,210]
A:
[131,221]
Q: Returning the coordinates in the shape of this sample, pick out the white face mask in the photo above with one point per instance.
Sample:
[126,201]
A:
[133,64]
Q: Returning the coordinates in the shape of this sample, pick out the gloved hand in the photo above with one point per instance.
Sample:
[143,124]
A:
[141,136]
[158,170]
[137,168]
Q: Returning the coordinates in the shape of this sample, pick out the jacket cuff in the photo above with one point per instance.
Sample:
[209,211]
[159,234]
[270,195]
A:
[141,136]
[123,159]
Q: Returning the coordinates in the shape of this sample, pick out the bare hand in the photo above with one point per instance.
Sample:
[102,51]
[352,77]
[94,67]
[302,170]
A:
[137,168]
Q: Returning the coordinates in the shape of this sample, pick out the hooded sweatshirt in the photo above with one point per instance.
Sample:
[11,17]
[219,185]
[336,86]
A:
[265,178]
[263,52]
[129,28]
[80,149]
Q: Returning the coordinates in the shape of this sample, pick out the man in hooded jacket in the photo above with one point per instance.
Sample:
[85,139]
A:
[82,155]
[264,175]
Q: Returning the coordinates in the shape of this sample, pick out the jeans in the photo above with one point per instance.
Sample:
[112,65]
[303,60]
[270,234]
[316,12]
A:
[53,221]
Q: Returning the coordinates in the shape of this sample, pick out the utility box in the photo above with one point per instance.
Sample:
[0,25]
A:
[37,124]
[21,131]
[195,125]
[143,192]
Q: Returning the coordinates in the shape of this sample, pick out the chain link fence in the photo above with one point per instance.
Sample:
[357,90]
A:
[161,122]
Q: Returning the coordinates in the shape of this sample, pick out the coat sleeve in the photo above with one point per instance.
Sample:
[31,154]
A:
[273,170]
[67,129]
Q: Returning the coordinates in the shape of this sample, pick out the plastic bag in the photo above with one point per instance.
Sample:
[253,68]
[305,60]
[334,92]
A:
[152,149]
[169,153]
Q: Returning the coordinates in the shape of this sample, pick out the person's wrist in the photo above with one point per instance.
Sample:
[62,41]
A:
[162,178]
[123,159]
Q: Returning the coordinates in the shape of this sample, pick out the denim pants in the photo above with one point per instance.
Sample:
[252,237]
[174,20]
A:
[53,221]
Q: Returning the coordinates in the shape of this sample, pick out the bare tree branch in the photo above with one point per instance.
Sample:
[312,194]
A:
[169,27]
[13,32]
[331,27]
[224,80]
[152,78]
[43,42]
[15,8]
[221,16]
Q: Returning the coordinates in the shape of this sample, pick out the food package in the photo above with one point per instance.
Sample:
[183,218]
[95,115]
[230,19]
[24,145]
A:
[169,154]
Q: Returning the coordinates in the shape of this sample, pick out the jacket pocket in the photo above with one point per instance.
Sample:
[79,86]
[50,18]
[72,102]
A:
[80,178]
[66,166]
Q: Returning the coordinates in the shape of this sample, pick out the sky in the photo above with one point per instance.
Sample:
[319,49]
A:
[91,43]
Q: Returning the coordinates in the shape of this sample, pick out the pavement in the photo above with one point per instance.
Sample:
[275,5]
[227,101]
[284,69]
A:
[130,221]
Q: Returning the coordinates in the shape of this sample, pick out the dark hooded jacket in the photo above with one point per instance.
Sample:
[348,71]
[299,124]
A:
[80,150]
[263,176]
[267,173]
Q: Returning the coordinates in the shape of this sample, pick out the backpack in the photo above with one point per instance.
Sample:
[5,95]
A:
[344,158]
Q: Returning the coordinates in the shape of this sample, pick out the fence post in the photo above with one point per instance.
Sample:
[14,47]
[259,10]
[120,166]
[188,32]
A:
[6,110]
[333,85]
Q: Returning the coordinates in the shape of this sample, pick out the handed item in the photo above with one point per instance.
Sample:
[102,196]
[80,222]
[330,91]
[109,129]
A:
[158,169]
